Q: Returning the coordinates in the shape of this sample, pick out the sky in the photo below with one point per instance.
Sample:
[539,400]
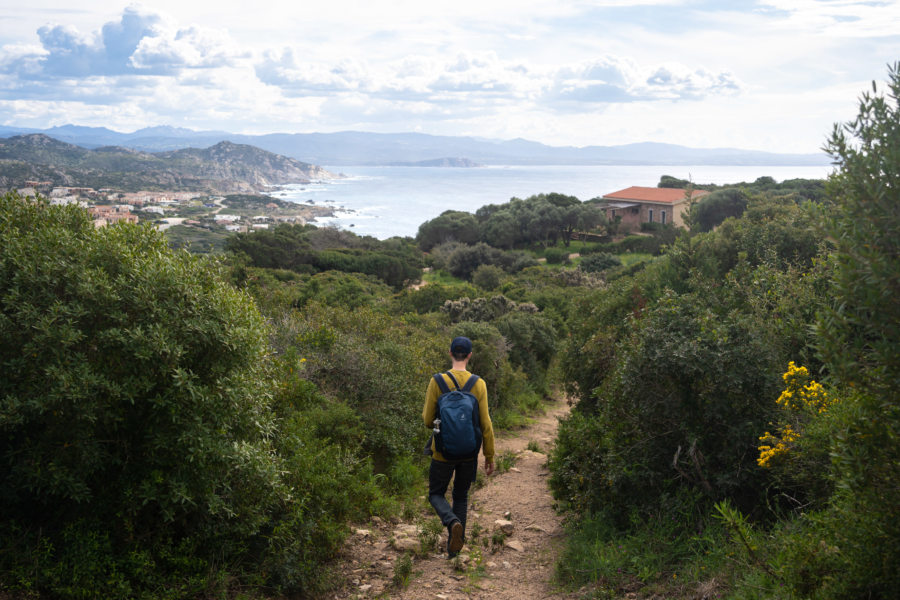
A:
[771,75]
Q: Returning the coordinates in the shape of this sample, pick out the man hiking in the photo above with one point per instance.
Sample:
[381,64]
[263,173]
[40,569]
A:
[461,399]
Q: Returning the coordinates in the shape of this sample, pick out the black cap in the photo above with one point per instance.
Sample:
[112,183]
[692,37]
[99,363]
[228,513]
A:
[461,345]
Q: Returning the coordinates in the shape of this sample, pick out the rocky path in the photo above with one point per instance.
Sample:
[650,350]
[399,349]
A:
[513,536]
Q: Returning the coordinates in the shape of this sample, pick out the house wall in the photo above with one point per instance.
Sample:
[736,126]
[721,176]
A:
[630,218]
[674,213]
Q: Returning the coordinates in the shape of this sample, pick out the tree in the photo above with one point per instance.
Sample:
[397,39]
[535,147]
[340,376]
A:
[861,336]
[860,342]
[451,225]
[717,206]
[134,412]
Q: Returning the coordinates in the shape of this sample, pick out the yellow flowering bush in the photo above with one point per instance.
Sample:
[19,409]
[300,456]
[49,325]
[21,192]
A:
[801,396]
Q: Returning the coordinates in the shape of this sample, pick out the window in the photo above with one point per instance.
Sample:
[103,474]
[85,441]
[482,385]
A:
[662,217]
[650,216]
[613,214]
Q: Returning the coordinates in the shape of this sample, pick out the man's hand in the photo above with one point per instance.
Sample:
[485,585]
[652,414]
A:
[488,466]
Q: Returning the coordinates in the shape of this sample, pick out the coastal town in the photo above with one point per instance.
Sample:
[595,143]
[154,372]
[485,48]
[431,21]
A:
[165,209]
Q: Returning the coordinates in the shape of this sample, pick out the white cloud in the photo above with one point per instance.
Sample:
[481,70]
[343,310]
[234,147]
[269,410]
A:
[843,18]
[581,72]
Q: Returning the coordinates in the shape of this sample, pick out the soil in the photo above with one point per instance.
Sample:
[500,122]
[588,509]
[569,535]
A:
[496,565]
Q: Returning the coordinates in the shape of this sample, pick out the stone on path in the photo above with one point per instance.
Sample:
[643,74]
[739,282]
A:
[406,544]
[504,525]
[515,545]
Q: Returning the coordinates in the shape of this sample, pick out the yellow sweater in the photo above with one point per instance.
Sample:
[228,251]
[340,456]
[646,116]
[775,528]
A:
[479,390]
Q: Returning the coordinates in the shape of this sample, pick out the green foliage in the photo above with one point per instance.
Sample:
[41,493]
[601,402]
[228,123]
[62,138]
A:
[376,364]
[431,297]
[504,461]
[532,344]
[596,263]
[484,309]
[402,571]
[692,347]
[644,244]
[660,552]
[849,549]
[306,249]
[196,240]
[450,226]
[336,288]
[101,331]
[146,451]
[542,219]
[717,206]
[463,262]
[860,334]
[556,256]
[487,277]
[254,201]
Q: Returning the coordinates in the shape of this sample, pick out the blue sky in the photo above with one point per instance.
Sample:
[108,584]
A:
[769,75]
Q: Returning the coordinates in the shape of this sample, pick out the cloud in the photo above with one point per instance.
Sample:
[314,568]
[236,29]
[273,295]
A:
[140,43]
[840,18]
[479,78]
[614,80]
[284,70]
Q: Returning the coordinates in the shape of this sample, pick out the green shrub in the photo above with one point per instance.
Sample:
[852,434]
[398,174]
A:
[487,277]
[134,392]
[431,297]
[484,309]
[142,453]
[465,259]
[556,256]
[596,263]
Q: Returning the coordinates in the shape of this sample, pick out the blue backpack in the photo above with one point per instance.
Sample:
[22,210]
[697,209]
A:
[458,436]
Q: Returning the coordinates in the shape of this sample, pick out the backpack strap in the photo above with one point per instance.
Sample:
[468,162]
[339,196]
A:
[470,383]
[442,385]
[453,379]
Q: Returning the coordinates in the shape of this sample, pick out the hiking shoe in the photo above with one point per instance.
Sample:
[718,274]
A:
[455,544]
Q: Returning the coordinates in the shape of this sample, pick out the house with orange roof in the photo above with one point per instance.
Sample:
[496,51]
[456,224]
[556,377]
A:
[636,205]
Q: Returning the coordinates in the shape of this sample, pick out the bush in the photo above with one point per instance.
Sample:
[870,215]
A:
[450,226]
[135,396]
[430,297]
[466,259]
[556,256]
[487,277]
[596,263]
[717,206]
[483,309]
[141,452]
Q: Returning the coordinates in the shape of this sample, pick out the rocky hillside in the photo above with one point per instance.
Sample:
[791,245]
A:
[223,168]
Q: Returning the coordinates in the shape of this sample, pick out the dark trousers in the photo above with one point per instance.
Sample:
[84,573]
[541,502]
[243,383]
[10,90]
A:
[439,476]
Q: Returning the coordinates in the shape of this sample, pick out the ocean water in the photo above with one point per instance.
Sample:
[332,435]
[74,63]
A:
[393,201]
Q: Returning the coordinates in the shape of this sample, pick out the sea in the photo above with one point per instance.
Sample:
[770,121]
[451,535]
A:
[385,202]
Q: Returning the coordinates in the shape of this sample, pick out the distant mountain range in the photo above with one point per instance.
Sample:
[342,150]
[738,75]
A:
[417,149]
[223,167]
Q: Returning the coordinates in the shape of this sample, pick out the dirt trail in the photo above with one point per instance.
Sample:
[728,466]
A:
[515,566]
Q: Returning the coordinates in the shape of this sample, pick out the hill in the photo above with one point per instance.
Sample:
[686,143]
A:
[378,149]
[224,167]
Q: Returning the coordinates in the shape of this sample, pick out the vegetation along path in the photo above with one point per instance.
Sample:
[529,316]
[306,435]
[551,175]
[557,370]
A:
[513,534]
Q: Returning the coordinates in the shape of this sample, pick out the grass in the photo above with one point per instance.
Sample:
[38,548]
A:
[199,241]
[629,259]
[443,278]
[402,570]
[662,557]
[504,461]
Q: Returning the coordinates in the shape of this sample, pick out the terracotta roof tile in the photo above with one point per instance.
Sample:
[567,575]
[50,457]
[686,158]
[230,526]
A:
[651,194]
